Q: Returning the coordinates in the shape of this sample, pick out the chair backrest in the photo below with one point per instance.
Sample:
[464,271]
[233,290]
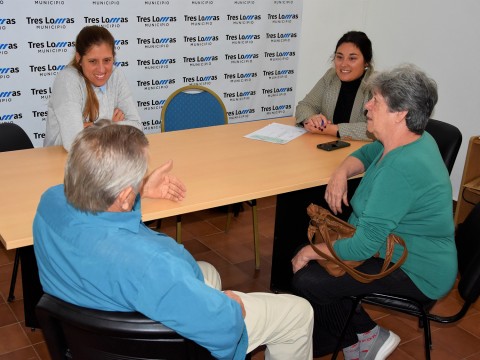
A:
[448,138]
[467,239]
[192,107]
[13,137]
[79,333]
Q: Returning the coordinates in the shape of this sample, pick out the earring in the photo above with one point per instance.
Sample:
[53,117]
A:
[366,68]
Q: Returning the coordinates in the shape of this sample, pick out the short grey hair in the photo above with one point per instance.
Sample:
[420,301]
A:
[407,88]
[105,159]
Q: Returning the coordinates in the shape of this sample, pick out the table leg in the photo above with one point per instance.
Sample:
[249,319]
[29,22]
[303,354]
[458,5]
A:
[32,289]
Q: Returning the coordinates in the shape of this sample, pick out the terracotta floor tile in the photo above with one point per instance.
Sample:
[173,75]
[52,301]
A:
[240,233]
[269,201]
[266,246]
[474,357]
[219,220]
[171,231]
[34,335]
[377,312]
[251,286]
[261,276]
[235,252]
[416,350]
[477,305]
[232,277]
[5,276]
[6,256]
[27,353]
[218,240]
[209,214]
[471,324]
[406,332]
[202,228]
[42,351]
[410,322]
[213,258]
[458,341]
[7,317]
[12,338]
[194,246]
[5,279]
[449,305]
[17,309]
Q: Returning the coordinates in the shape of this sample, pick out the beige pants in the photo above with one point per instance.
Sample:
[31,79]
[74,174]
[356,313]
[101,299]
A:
[282,322]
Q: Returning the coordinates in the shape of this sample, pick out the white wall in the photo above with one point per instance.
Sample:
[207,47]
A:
[441,37]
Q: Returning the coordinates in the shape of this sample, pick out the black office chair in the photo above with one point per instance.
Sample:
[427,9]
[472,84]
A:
[12,137]
[74,332]
[448,139]
[468,245]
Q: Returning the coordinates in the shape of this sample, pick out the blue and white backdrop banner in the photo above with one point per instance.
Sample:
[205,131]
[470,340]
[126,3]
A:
[244,50]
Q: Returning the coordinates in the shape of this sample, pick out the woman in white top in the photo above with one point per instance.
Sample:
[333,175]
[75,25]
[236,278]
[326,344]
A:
[88,89]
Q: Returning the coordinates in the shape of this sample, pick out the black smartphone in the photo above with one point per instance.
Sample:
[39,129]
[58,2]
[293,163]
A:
[333,145]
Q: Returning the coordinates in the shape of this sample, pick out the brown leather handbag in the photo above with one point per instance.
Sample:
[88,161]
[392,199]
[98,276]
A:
[327,228]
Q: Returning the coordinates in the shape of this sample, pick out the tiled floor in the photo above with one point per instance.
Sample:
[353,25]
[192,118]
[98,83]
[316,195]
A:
[232,255]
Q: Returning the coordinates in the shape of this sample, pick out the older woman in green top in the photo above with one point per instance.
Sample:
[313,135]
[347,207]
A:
[405,190]
[335,105]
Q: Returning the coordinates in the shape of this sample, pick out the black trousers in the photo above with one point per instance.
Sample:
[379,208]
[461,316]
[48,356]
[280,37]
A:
[328,296]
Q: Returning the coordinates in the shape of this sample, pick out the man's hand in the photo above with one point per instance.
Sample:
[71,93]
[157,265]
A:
[161,185]
[235,297]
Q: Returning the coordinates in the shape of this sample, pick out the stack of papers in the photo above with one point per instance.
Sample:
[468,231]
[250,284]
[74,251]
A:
[277,133]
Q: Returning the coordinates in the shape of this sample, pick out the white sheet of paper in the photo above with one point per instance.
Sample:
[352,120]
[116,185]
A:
[277,133]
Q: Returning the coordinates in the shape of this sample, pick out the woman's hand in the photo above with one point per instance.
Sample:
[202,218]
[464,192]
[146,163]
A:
[337,191]
[316,123]
[302,258]
[307,254]
[161,185]
[118,115]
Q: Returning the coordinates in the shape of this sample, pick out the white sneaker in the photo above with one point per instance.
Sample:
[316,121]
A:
[385,343]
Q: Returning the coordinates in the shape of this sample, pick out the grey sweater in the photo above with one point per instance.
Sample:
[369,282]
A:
[68,99]
[322,99]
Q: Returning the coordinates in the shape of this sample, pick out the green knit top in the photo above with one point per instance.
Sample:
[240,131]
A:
[407,193]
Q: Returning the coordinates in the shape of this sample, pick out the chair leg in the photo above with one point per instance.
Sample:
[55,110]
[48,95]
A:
[256,237]
[13,281]
[338,347]
[179,229]
[428,336]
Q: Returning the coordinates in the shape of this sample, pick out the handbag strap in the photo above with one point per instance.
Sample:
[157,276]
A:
[320,222]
